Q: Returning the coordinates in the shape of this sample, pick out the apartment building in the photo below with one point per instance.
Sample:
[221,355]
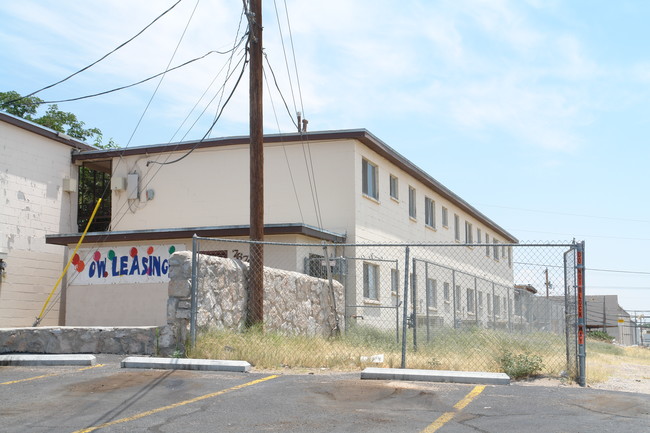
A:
[345,187]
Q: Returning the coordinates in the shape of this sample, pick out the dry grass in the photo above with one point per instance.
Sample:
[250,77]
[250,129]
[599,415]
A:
[604,358]
[470,349]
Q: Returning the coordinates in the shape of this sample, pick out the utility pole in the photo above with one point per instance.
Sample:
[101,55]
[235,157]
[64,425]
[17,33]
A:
[256,269]
[547,283]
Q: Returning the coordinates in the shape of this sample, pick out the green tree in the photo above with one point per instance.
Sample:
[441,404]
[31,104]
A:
[61,121]
[13,103]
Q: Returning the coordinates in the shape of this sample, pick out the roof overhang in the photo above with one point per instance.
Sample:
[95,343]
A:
[45,132]
[361,135]
[186,233]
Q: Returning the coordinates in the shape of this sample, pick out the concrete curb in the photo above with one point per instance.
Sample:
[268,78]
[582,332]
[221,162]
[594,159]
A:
[185,364]
[473,377]
[51,360]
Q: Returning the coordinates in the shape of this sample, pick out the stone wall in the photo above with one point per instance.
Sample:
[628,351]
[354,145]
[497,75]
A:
[62,339]
[294,303]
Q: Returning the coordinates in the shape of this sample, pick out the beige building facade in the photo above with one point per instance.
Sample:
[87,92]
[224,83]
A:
[334,186]
[37,197]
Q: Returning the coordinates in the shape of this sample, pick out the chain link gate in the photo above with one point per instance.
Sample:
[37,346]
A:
[466,305]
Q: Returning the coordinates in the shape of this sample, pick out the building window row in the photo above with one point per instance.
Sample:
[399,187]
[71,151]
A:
[370,189]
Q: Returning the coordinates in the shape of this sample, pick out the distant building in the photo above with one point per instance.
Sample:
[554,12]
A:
[604,314]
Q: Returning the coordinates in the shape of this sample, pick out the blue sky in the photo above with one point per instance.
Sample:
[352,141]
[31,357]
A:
[533,111]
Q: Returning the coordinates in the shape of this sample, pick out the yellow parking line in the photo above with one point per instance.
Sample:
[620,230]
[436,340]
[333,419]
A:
[448,416]
[175,405]
[47,375]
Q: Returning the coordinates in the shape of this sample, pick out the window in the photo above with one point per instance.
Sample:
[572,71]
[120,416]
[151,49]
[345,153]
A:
[470,300]
[497,306]
[478,235]
[457,227]
[429,212]
[412,210]
[510,257]
[487,247]
[496,249]
[446,292]
[505,305]
[480,300]
[394,280]
[445,217]
[469,233]
[394,190]
[315,266]
[370,281]
[489,302]
[457,299]
[432,293]
[369,179]
[503,251]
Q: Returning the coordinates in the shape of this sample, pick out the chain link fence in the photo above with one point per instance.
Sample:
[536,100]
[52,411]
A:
[437,306]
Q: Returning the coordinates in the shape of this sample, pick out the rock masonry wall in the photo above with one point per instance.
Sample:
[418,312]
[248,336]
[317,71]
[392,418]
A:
[294,303]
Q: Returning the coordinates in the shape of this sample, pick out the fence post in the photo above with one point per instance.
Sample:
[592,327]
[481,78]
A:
[336,331]
[509,308]
[193,295]
[404,321]
[494,313]
[414,322]
[582,352]
[428,298]
[476,310]
[453,292]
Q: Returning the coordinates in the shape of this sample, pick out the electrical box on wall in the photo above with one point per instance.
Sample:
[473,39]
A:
[69,185]
[118,183]
[132,181]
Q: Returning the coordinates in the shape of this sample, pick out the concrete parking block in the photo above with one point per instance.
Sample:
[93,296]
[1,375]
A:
[473,377]
[185,364]
[53,360]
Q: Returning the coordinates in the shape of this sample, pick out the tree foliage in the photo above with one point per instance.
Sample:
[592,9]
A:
[62,121]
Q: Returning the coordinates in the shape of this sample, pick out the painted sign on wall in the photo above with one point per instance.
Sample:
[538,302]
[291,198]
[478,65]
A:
[122,265]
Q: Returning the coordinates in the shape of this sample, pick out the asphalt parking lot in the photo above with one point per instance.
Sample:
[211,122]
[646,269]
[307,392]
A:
[107,398]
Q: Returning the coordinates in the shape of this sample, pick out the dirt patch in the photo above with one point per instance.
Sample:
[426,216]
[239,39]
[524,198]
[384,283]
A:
[627,377]
[364,395]
[129,379]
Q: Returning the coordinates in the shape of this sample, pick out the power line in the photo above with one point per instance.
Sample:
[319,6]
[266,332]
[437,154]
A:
[100,59]
[137,83]
[284,148]
[567,214]
[171,59]
[588,269]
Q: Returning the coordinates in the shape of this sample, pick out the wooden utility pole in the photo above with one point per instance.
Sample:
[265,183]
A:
[547,284]
[256,270]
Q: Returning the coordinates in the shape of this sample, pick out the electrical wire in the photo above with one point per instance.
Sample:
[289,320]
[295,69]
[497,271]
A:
[588,269]
[235,44]
[220,112]
[275,81]
[100,59]
[163,76]
[286,62]
[137,83]
[284,148]
[211,126]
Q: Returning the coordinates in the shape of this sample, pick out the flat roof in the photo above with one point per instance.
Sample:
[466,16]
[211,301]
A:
[181,233]
[361,135]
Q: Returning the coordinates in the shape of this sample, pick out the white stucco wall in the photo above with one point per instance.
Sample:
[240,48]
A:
[32,204]
[214,184]
[135,299]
